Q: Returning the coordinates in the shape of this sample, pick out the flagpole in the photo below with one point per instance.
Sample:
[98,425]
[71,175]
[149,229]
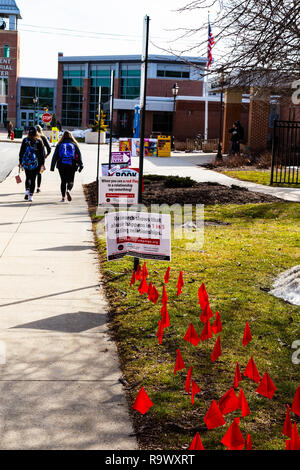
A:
[206,96]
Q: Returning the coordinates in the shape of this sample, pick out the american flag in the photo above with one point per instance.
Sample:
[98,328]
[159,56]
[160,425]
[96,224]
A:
[211,42]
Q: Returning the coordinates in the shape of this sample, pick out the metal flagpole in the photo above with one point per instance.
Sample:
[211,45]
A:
[112,91]
[99,132]
[206,94]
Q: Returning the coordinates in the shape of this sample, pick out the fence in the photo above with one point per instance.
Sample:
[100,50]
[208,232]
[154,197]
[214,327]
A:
[285,167]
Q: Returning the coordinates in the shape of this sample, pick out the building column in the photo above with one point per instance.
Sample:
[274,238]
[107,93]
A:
[259,115]
[232,112]
[85,103]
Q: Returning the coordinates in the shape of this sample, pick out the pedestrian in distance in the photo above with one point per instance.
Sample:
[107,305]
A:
[31,159]
[67,158]
[234,140]
[9,128]
[47,150]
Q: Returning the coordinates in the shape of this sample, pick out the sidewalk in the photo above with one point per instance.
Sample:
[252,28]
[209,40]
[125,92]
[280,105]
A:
[59,384]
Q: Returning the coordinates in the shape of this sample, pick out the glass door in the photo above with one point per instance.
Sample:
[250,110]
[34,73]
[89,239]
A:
[27,119]
[3,115]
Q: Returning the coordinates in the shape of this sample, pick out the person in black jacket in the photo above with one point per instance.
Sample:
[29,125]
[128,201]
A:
[31,159]
[67,158]
[235,139]
[47,149]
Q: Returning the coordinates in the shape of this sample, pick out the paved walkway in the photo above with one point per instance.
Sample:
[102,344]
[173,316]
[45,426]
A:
[59,382]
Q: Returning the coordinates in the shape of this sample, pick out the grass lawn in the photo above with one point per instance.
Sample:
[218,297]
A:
[255,176]
[237,264]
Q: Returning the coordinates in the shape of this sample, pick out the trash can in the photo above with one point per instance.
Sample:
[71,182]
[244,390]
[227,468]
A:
[18,133]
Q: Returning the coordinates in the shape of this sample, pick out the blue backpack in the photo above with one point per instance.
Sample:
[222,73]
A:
[67,153]
[30,159]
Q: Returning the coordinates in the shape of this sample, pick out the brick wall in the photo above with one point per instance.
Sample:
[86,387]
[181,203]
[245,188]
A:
[163,87]
[59,92]
[85,103]
[259,114]
[12,39]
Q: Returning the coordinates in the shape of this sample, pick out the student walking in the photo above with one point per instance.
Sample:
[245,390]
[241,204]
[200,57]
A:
[47,150]
[31,158]
[67,158]
[9,128]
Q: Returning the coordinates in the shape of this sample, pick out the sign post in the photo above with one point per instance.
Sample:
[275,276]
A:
[99,133]
[112,91]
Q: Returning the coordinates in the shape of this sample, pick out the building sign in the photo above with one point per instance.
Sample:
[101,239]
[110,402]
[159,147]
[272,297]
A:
[138,234]
[118,190]
[5,67]
[164,146]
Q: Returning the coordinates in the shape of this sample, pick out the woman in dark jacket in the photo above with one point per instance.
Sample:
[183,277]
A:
[31,159]
[67,159]
[47,149]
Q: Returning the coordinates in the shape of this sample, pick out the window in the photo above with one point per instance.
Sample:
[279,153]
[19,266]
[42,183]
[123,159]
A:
[72,94]
[162,123]
[45,97]
[3,86]
[130,82]
[6,52]
[165,73]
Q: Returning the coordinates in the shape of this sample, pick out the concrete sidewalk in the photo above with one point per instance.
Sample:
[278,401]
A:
[59,382]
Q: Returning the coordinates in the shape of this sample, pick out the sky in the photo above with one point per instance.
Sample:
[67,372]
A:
[98,27]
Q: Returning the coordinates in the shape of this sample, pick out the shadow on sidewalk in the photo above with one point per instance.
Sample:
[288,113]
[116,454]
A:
[69,248]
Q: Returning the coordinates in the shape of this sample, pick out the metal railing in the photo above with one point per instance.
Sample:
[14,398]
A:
[285,167]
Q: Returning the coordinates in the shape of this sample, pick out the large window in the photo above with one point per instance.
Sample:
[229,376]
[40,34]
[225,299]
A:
[72,95]
[3,86]
[162,122]
[45,97]
[100,75]
[6,52]
[166,72]
[130,81]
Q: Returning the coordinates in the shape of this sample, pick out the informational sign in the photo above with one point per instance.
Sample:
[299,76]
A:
[47,118]
[118,190]
[121,157]
[106,171]
[164,146]
[150,147]
[54,134]
[138,234]
[125,145]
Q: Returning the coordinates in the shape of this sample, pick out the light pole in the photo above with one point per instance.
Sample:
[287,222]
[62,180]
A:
[175,90]
[219,154]
[35,101]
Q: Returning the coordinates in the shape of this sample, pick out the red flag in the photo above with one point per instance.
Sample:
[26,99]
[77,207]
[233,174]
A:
[167,275]
[195,390]
[143,288]
[202,296]
[132,282]
[217,352]
[214,418]
[142,402]
[266,387]
[234,439]
[138,273]
[217,326]
[180,283]
[206,313]
[165,316]
[160,332]
[191,335]
[287,427]
[188,380]
[150,287]
[179,364]
[229,402]
[154,295]
[197,443]
[247,335]
[164,298]
[243,404]
[238,376]
[251,371]
[295,440]
[206,332]
[296,403]
[145,271]
[249,442]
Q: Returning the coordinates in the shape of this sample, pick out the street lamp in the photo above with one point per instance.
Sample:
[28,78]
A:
[175,90]
[35,101]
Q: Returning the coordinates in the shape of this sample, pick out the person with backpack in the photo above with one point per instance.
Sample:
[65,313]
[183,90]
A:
[31,159]
[47,149]
[67,158]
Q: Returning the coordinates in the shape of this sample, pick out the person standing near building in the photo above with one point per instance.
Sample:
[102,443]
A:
[47,150]
[234,140]
[31,158]
[67,158]
[9,127]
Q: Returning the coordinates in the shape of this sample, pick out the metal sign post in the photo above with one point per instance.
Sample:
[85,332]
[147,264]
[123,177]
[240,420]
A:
[112,91]
[99,133]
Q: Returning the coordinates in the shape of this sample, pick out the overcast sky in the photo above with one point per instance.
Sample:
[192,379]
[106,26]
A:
[97,27]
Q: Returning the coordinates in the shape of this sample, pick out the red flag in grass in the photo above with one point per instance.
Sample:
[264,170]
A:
[188,380]
[229,402]
[191,335]
[202,296]
[251,371]
[150,287]
[217,326]
[142,402]
[138,273]
[179,364]
[247,335]
[180,283]
[195,390]
[206,313]
[237,376]
[296,403]
[234,439]
[266,387]
[132,282]
[160,333]
[287,427]
[143,288]
[217,352]
[214,418]
[249,442]
[243,404]
[164,298]
[153,294]
[165,317]
[145,271]
[206,332]
[167,275]
[197,443]
[294,443]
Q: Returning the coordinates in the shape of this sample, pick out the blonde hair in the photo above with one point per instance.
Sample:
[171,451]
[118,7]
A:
[67,135]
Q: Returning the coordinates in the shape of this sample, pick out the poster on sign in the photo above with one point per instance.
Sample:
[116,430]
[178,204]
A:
[115,190]
[106,171]
[125,144]
[150,147]
[138,234]
[121,157]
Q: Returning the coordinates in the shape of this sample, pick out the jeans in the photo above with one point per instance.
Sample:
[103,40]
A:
[30,180]
[67,175]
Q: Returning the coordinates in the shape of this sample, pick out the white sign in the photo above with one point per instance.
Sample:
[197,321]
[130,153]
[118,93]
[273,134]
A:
[138,234]
[118,190]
